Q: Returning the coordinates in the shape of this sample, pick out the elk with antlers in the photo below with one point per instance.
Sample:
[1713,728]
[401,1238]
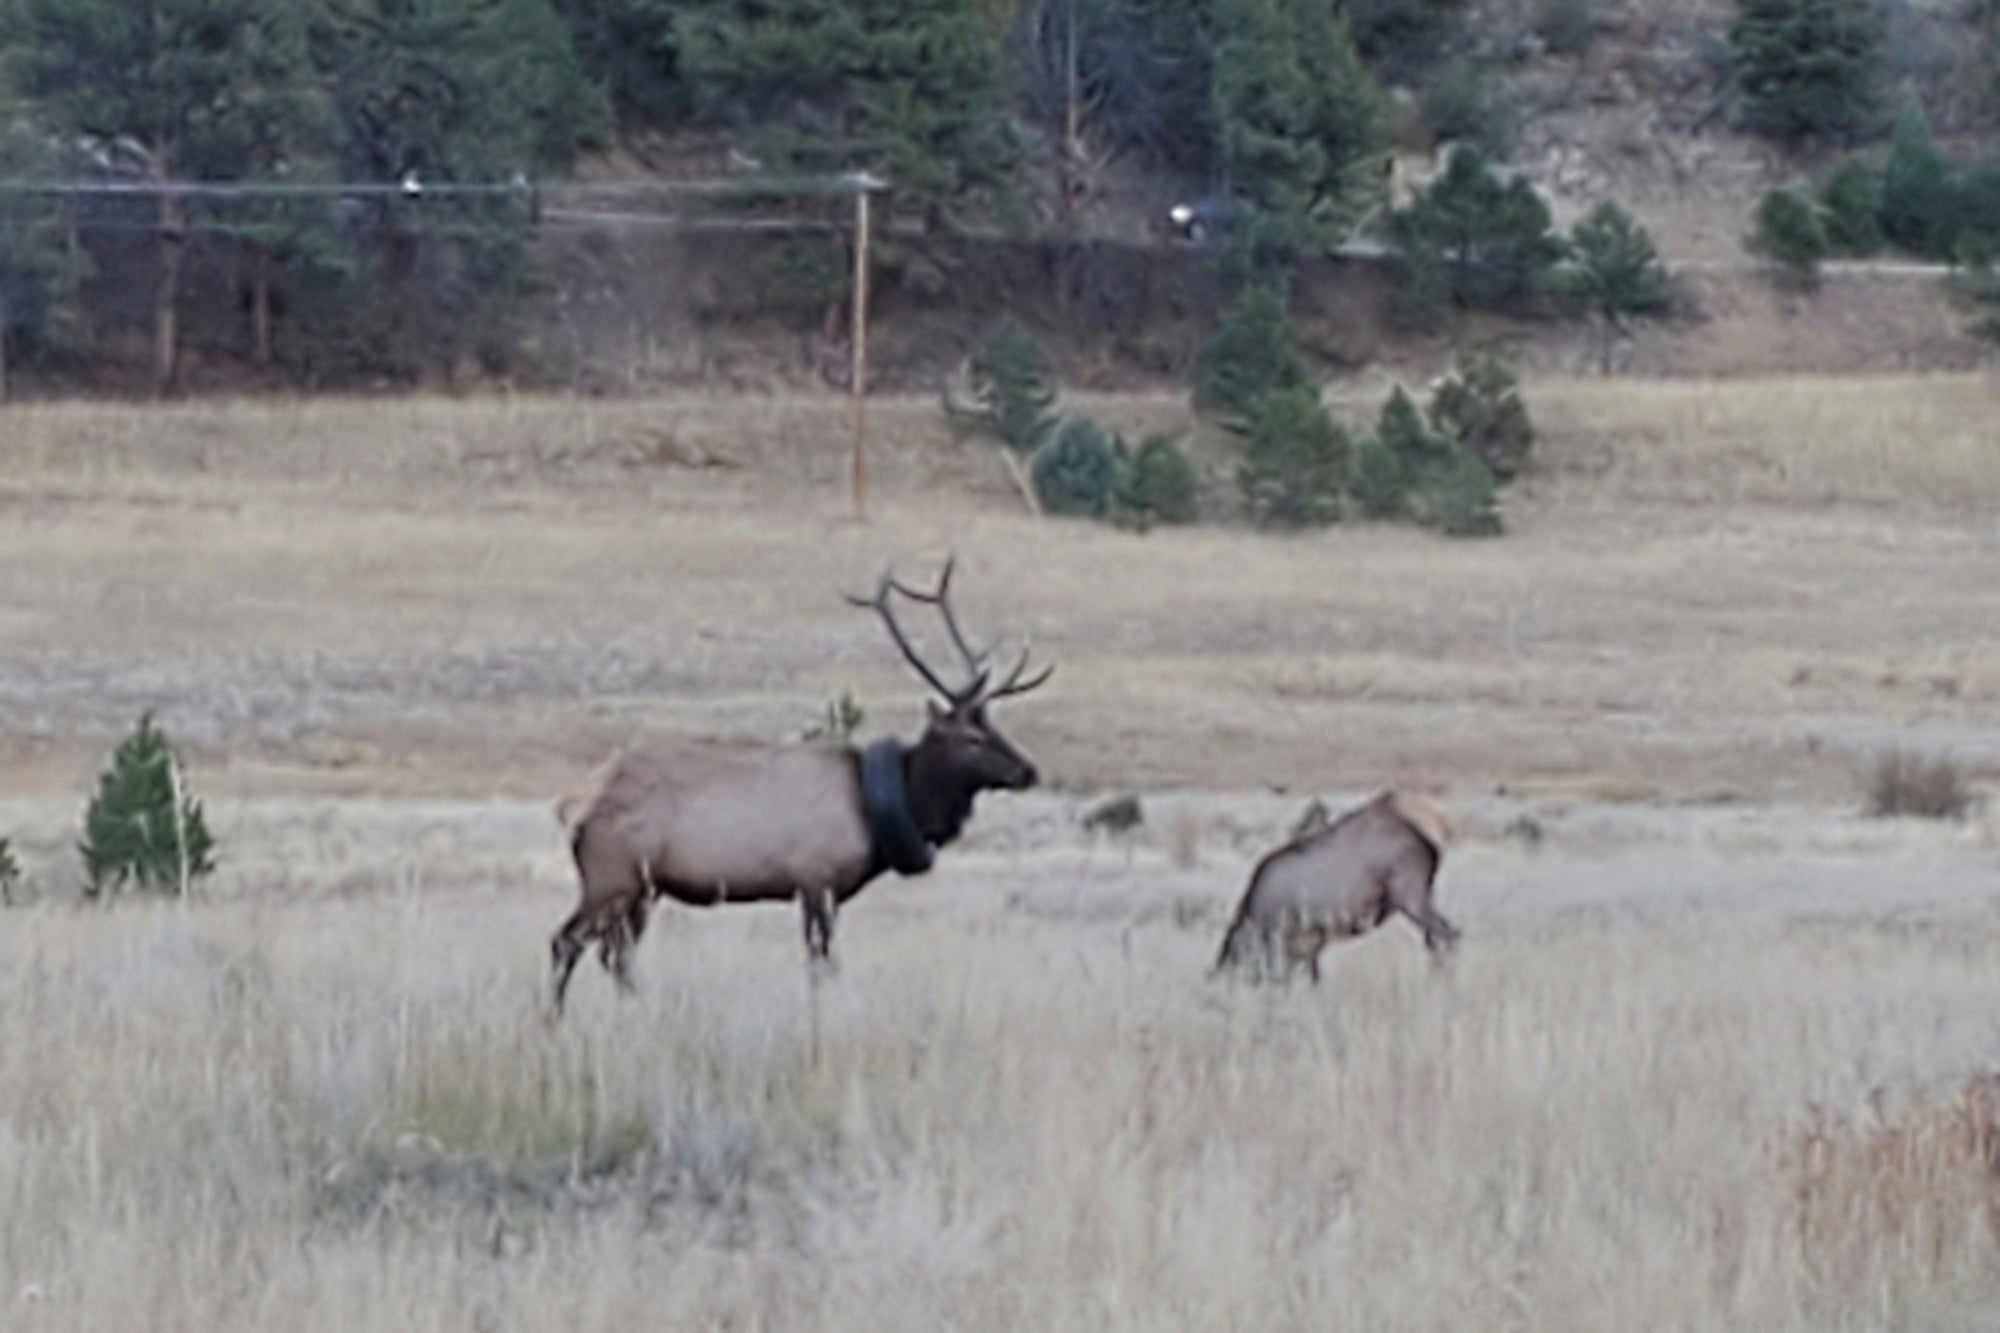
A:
[707,823]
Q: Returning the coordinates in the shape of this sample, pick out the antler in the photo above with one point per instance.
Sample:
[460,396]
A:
[978,661]
[879,603]
[1014,684]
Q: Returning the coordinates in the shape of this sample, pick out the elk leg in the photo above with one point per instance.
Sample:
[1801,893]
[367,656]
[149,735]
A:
[1410,893]
[816,909]
[620,937]
[565,949]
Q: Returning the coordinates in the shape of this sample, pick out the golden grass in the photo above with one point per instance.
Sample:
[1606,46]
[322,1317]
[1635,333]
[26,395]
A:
[324,1097]
[1808,440]
[349,1115]
[428,594]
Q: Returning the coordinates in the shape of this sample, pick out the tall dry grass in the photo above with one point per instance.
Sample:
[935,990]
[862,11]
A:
[348,1115]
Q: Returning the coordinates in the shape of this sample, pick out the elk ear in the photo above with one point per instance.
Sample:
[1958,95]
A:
[932,711]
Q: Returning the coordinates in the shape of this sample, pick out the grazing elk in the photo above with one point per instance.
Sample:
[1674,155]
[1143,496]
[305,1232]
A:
[709,822]
[1338,880]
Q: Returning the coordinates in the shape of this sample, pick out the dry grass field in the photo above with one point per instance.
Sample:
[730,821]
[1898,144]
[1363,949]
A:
[1718,1050]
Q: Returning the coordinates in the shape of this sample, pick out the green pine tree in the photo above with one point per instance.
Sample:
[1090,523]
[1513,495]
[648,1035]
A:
[1807,67]
[209,90]
[1790,234]
[1479,409]
[1009,390]
[1919,196]
[468,95]
[33,275]
[1852,202]
[142,828]
[1250,356]
[1493,236]
[1295,461]
[1300,124]
[912,90]
[1614,271]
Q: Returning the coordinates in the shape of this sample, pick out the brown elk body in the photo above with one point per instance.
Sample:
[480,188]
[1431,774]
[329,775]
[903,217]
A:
[1339,881]
[707,823]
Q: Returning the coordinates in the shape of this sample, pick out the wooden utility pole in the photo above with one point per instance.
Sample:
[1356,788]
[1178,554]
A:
[863,184]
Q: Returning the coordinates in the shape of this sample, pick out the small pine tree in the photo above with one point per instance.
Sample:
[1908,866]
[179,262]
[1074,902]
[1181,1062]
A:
[1460,500]
[1479,409]
[1403,451]
[141,827]
[1250,356]
[1076,469]
[1790,234]
[1156,484]
[1919,198]
[1494,236]
[1295,462]
[1852,202]
[1614,271]
[1412,469]
[1009,389]
[1381,484]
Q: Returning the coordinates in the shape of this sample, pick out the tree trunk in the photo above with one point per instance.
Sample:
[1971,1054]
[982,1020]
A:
[260,306]
[166,299]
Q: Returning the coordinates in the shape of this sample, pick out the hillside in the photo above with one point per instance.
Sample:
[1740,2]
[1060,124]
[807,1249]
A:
[646,277]
[1643,115]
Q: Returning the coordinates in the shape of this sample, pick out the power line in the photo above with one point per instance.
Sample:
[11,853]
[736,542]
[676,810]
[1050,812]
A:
[414,187]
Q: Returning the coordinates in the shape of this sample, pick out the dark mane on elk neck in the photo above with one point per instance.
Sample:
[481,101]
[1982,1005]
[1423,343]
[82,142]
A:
[706,823]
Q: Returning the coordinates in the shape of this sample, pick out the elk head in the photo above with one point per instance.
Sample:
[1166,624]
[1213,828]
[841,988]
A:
[961,752]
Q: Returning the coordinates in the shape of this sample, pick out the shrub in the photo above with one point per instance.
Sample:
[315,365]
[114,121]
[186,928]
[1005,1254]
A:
[1479,408]
[1006,389]
[141,828]
[1250,356]
[1790,234]
[1806,67]
[840,722]
[1076,469]
[10,872]
[1907,784]
[1156,484]
[1565,26]
[1852,203]
[1295,461]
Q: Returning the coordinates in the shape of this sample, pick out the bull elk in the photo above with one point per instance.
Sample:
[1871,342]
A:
[1339,880]
[707,823]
